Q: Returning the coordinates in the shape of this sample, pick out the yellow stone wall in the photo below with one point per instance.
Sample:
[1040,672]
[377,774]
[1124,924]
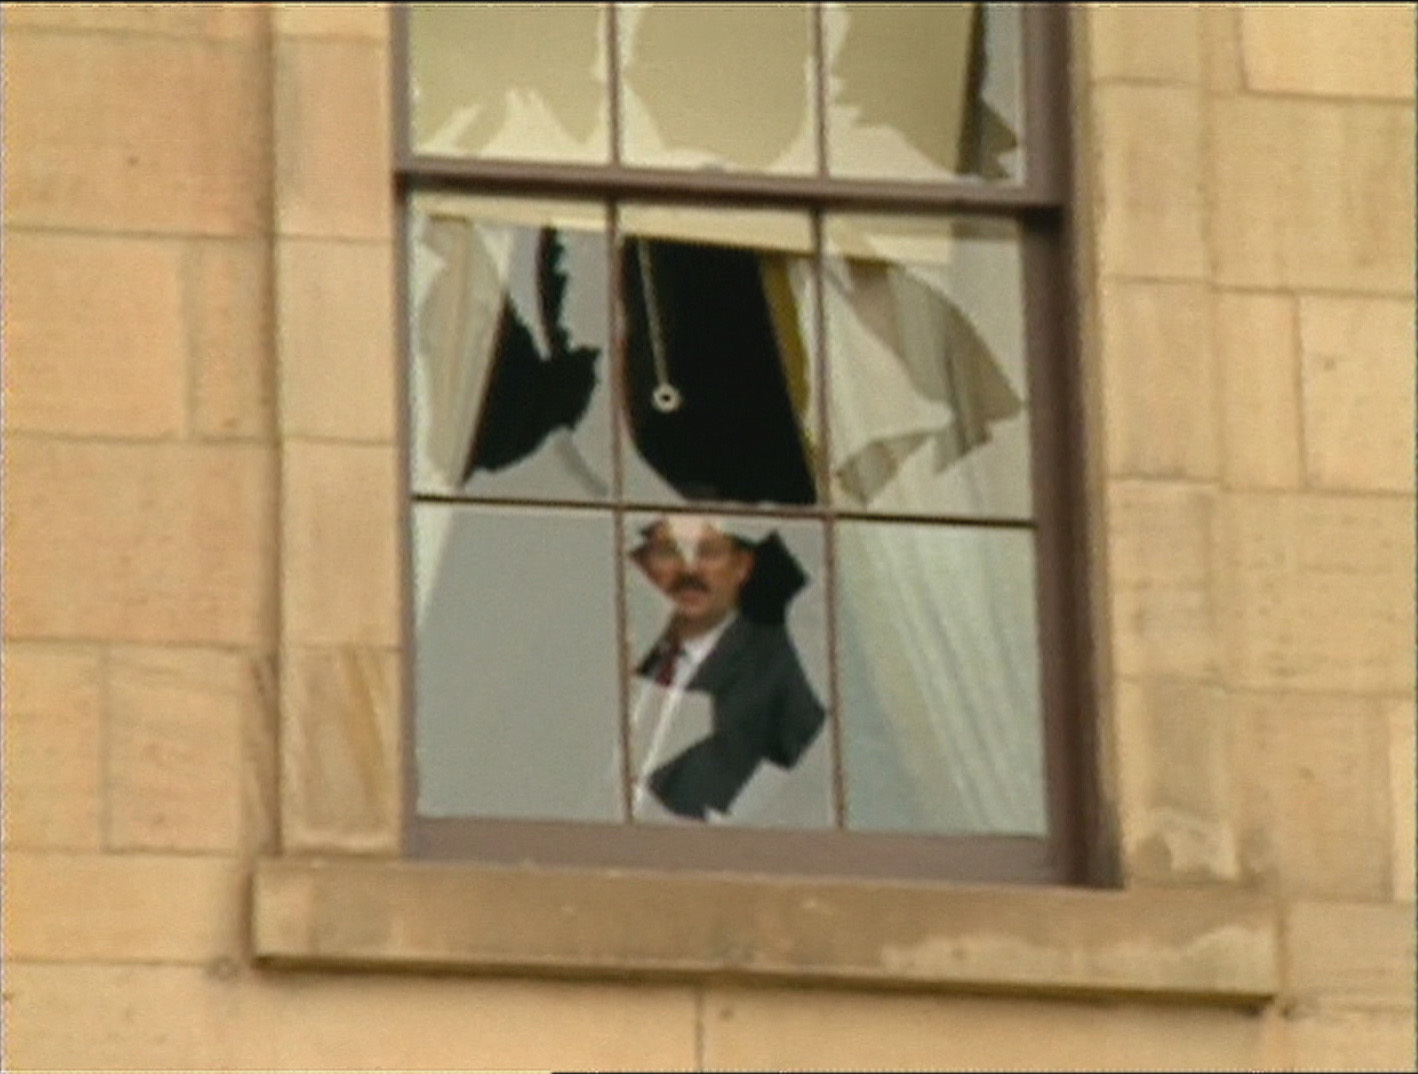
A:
[201,617]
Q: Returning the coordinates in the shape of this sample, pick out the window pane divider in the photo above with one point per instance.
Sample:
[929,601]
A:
[736,510]
[533,178]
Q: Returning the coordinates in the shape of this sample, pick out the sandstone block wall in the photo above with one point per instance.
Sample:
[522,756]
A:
[201,619]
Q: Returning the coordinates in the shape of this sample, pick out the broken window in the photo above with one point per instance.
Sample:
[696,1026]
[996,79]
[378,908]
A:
[525,81]
[923,91]
[509,348]
[728,340]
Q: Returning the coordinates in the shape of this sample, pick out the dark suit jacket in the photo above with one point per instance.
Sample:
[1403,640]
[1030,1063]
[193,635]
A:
[764,710]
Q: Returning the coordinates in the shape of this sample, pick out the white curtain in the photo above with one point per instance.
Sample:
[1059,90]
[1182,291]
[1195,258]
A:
[943,676]
[944,621]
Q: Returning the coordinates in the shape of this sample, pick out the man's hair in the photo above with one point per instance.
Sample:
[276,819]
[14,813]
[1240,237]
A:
[647,534]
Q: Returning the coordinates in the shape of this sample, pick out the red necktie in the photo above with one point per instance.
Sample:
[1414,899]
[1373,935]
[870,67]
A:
[666,674]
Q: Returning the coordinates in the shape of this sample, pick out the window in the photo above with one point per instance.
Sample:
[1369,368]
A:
[740,439]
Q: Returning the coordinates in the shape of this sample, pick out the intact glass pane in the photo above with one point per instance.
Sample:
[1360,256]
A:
[928,385]
[510,308]
[722,86]
[939,678]
[924,91]
[719,391]
[728,643]
[516,655]
[510,81]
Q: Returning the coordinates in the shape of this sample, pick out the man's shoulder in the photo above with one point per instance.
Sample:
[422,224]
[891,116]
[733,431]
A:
[765,641]
[759,632]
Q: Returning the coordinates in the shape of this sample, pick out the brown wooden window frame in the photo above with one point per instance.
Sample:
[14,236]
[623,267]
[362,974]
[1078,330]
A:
[1075,850]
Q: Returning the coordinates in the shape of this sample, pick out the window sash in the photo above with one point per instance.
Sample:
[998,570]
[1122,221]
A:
[1040,204]
[1044,142]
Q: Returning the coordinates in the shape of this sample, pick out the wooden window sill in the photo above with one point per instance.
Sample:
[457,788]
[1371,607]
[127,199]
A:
[1198,946]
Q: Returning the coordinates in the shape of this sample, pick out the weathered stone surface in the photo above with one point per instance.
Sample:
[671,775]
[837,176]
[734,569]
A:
[191,746]
[1357,365]
[159,542]
[1162,548]
[341,766]
[1318,592]
[1312,796]
[122,907]
[228,310]
[1150,206]
[1403,778]
[1328,1039]
[73,363]
[1311,195]
[1158,42]
[1159,376]
[1350,953]
[1044,940]
[1176,775]
[334,168]
[224,1016]
[53,734]
[123,132]
[1257,361]
[773,1030]
[341,534]
[371,21]
[1329,50]
[338,345]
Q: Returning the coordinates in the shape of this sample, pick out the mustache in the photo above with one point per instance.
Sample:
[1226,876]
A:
[687,583]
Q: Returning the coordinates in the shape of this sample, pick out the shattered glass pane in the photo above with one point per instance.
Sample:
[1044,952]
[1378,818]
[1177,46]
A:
[510,81]
[722,86]
[727,626]
[928,389]
[718,392]
[516,657]
[510,309]
[938,670]
[924,91]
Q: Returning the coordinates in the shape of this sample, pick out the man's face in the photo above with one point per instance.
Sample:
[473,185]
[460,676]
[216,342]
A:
[699,567]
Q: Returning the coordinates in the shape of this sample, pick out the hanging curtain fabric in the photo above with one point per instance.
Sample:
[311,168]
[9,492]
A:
[707,384]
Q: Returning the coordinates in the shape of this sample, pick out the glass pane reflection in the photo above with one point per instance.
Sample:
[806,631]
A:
[725,86]
[939,678]
[727,626]
[515,670]
[719,375]
[510,311]
[924,91]
[513,81]
[926,358]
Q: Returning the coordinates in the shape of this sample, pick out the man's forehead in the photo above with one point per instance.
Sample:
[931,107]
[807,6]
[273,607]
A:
[691,527]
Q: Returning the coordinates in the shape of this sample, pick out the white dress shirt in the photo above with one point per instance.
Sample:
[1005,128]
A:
[671,718]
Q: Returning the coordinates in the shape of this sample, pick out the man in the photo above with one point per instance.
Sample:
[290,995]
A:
[726,643]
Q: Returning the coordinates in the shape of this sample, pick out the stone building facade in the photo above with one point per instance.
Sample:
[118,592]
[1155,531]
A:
[201,721]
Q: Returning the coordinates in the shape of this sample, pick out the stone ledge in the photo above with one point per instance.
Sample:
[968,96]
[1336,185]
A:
[1194,946]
